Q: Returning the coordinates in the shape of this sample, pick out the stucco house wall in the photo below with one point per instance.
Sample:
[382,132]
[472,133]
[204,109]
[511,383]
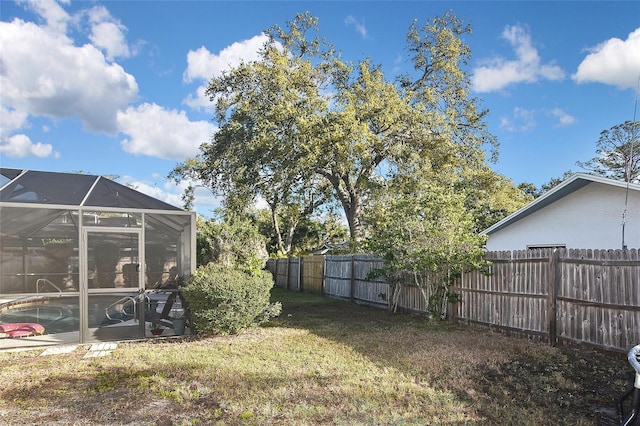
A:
[588,217]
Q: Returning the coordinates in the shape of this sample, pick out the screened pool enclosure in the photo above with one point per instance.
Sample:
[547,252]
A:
[85,259]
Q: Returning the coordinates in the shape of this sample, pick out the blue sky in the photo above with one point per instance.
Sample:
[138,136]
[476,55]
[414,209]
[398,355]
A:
[116,87]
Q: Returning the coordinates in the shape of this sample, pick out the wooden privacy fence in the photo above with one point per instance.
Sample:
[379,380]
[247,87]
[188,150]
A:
[576,295]
[344,277]
[584,296]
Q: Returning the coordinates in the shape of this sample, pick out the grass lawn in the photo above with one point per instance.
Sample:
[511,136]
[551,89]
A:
[321,362]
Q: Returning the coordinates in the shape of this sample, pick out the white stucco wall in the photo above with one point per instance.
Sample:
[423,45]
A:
[590,217]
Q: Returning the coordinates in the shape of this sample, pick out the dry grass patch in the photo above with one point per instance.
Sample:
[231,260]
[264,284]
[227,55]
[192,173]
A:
[321,362]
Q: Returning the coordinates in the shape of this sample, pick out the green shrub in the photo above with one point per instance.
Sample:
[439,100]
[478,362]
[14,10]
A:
[224,300]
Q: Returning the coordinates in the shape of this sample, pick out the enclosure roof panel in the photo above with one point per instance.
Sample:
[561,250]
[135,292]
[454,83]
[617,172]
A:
[72,189]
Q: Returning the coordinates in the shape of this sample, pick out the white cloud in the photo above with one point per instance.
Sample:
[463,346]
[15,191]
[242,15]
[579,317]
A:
[45,74]
[563,118]
[261,204]
[521,120]
[11,120]
[498,73]
[507,124]
[108,33]
[615,62]
[109,37]
[157,132]
[202,65]
[20,146]
[168,196]
[205,202]
[56,17]
[199,100]
[359,26]
[397,63]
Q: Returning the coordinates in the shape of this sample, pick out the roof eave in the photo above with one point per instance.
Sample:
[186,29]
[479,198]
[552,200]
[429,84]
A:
[550,196]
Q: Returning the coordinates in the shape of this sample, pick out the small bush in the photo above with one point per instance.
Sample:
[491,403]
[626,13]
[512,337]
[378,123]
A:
[224,300]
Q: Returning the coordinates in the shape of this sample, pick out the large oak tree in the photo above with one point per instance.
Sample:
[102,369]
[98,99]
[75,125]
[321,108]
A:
[301,120]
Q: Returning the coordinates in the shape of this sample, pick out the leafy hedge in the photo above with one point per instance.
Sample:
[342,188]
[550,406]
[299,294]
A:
[225,300]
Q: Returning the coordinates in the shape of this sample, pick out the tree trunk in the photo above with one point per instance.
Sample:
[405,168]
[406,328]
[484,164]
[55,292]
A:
[291,229]
[351,201]
[352,210]
[276,229]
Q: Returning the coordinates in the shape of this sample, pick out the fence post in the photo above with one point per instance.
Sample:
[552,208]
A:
[353,278]
[554,278]
[323,266]
[277,274]
[300,271]
[287,277]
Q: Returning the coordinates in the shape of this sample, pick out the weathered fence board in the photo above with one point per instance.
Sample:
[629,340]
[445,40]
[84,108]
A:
[512,294]
[598,297]
[587,296]
[366,289]
[338,276]
[286,272]
[312,274]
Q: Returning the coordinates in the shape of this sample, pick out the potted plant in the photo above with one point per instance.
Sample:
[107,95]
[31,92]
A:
[156,329]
